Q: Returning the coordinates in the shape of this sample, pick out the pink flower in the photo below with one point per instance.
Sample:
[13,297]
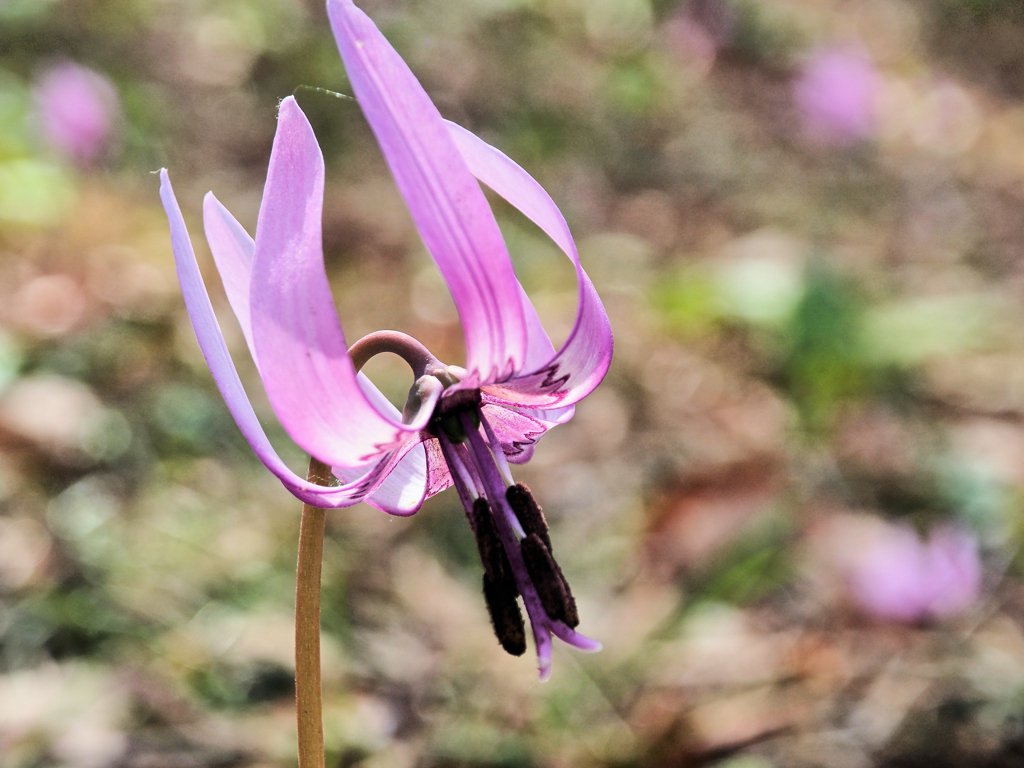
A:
[77,108]
[461,426]
[835,94]
[897,577]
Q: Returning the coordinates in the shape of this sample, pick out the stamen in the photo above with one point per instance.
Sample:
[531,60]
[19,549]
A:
[572,614]
[492,552]
[529,512]
[549,581]
[462,475]
[506,617]
[482,461]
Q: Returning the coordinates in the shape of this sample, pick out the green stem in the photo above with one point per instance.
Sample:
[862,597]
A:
[308,697]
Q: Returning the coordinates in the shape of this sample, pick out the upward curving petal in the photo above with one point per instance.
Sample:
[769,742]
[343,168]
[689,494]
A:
[578,367]
[304,361]
[232,250]
[445,201]
[211,341]
[519,429]
[539,349]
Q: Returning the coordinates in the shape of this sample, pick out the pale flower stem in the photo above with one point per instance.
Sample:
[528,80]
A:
[308,697]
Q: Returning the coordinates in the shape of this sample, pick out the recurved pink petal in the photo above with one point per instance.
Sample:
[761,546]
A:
[516,431]
[232,250]
[400,483]
[211,341]
[439,477]
[304,361]
[403,490]
[539,349]
[581,363]
[446,203]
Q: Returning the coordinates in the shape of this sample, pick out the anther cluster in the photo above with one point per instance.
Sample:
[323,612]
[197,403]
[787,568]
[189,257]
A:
[453,415]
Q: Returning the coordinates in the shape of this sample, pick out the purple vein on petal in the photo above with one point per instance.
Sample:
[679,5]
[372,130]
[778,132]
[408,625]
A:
[446,203]
[215,350]
[309,377]
[583,360]
[232,250]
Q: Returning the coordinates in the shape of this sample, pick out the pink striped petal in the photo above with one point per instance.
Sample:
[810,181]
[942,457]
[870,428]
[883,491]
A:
[446,203]
[215,350]
[232,250]
[400,483]
[581,363]
[405,487]
[403,491]
[539,349]
[517,432]
[439,477]
[309,377]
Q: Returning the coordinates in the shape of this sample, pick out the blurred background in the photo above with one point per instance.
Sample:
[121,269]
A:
[792,512]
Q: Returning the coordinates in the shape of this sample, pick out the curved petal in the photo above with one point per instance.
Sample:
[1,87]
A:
[215,350]
[583,360]
[406,485]
[304,361]
[439,477]
[516,431]
[402,483]
[403,491]
[539,349]
[232,250]
[445,201]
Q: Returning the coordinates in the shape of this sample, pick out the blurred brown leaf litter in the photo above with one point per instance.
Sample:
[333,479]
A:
[792,514]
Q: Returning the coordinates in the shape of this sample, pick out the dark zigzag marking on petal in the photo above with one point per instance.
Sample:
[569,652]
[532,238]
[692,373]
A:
[530,437]
[364,486]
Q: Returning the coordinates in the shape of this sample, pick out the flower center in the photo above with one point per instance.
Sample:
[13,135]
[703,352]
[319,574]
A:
[511,532]
[449,410]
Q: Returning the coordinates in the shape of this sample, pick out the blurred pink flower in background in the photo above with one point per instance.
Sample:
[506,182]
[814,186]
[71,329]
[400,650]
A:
[699,31]
[898,577]
[77,109]
[835,93]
